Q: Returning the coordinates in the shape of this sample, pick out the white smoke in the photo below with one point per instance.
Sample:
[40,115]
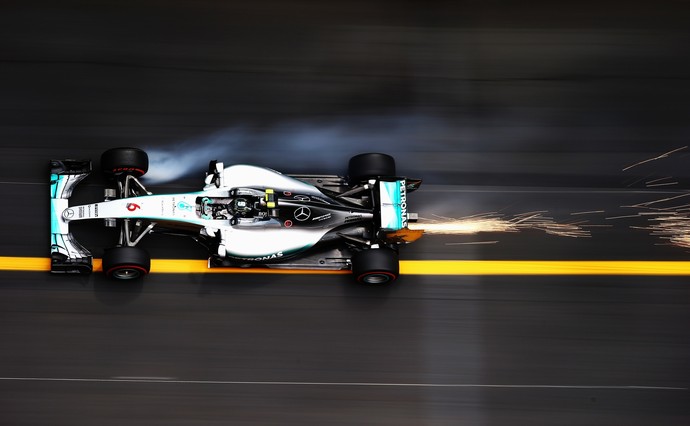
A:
[192,156]
[296,147]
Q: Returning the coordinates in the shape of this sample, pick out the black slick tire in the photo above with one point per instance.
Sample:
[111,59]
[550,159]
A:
[375,266]
[367,166]
[125,161]
[126,263]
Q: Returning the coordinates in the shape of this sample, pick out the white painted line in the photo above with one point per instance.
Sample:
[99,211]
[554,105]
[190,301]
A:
[143,378]
[472,242]
[125,379]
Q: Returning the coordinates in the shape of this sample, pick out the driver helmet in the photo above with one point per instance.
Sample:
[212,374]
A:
[241,206]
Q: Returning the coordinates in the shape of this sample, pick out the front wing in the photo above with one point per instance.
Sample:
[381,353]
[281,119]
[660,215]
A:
[66,254]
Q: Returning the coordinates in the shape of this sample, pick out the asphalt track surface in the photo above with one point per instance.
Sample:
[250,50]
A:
[512,132]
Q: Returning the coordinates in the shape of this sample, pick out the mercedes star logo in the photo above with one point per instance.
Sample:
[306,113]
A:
[302,213]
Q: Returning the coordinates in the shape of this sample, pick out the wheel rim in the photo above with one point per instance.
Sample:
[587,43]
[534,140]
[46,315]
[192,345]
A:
[376,278]
[126,273]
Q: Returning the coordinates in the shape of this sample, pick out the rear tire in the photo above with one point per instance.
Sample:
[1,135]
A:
[126,263]
[367,166]
[375,266]
[125,161]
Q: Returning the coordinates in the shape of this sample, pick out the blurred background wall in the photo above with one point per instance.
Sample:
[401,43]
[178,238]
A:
[462,92]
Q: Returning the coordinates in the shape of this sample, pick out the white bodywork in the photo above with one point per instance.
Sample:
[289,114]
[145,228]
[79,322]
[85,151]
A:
[243,240]
[242,175]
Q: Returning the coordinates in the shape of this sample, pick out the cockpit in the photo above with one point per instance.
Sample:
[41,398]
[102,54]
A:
[241,205]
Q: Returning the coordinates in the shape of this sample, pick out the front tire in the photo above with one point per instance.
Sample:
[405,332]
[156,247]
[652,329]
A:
[125,161]
[126,263]
[367,166]
[376,266]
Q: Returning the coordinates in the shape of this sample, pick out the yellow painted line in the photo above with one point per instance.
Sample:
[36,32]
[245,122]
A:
[24,264]
[544,267]
[411,267]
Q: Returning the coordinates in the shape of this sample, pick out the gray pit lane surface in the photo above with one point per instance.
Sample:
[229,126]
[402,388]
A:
[264,349]
[508,108]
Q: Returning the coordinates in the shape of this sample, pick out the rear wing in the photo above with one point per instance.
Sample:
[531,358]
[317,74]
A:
[66,254]
[393,204]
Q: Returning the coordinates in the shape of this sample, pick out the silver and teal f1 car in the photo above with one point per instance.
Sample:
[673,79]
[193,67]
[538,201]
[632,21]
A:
[245,215]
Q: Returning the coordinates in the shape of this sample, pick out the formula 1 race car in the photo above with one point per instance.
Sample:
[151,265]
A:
[245,216]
